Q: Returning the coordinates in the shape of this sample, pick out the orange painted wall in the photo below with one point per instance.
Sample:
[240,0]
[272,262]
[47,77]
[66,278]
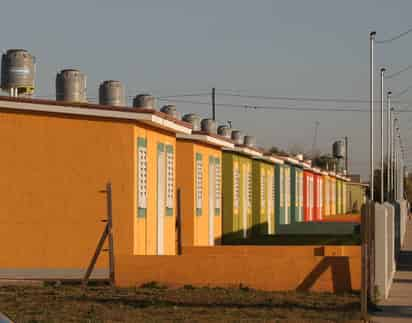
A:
[315,268]
[195,228]
[53,172]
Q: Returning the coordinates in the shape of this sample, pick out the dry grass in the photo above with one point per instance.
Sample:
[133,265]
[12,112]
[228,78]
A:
[155,303]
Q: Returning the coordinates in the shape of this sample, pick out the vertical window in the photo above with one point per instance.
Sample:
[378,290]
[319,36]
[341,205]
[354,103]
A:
[236,186]
[249,188]
[281,186]
[262,190]
[169,179]
[218,186]
[199,183]
[141,177]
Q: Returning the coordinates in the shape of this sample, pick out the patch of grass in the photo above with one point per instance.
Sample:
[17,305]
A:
[71,303]
[153,285]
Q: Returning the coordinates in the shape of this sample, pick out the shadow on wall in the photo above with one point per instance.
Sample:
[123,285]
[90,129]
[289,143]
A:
[341,277]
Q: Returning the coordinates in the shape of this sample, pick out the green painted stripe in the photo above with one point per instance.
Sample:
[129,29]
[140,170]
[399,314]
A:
[141,212]
[169,211]
[141,142]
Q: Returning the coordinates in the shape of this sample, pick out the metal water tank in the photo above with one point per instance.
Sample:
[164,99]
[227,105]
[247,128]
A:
[224,131]
[338,149]
[111,93]
[71,86]
[193,119]
[209,126]
[144,101]
[249,141]
[171,110]
[17,71]
[237,137]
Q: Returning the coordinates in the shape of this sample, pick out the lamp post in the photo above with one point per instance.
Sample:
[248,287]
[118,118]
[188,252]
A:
[381,191]
[388,145]
[371,43]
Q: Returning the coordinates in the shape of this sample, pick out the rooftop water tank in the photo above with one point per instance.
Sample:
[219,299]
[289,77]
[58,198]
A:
[224,131]
[71,86]
[171,110]
[144,101]
[111,93]
[193,119]
[249,141]
[237,137]
[209,126]
[17,71]
[338,149]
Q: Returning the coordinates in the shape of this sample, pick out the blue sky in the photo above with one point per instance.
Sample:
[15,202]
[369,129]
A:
[290,48]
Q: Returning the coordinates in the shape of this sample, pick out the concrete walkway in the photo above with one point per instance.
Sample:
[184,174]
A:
[398,307]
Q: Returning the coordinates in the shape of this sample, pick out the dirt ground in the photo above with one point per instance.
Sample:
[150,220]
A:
[155,303]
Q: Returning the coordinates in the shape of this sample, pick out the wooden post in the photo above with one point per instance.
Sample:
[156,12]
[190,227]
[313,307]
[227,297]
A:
[179,222]
[110,234]
[107,233]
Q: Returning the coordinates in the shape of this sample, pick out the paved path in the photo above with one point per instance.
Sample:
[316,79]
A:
[398,307]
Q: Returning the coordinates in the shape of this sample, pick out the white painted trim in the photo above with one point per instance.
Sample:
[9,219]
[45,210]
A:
[246,151]
[271,159]
[90,111]
[206,139]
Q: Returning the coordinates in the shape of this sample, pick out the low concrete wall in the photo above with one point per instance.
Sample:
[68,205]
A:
[318,228]
[281,268]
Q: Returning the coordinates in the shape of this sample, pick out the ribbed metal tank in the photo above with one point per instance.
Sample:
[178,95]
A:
[209,126]
[194,119]
[144,101]
[111,93]
[338,149]
[71,86]
[249,141]
[237,137]
[224,131]
[171,110]
[17,70]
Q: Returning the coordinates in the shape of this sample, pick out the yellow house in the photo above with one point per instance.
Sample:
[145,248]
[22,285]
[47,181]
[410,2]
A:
[56,160]
[199,177]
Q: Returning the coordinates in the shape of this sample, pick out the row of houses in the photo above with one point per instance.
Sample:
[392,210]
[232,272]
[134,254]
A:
[58,156]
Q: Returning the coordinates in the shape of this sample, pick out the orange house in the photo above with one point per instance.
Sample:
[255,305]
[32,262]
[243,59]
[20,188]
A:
[199,179]
[56,160]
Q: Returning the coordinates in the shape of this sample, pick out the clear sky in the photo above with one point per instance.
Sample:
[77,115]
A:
[290,48]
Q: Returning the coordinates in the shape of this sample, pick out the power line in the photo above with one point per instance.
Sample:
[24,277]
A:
[389,40]
[285,108]
[391,76]
[302,99]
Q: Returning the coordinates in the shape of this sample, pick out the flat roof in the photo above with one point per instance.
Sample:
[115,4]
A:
[207,138]
[147,116]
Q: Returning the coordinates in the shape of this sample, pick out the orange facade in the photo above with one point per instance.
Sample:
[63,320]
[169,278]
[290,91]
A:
[55,169]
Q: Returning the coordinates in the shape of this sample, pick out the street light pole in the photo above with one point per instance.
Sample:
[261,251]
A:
[371,42]
[382,74]
[388,145]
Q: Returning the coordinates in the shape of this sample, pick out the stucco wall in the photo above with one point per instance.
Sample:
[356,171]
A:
[303,268]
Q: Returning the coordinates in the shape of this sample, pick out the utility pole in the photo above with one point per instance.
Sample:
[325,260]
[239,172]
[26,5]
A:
[315,137]
[213,104]
[371,42]
[382,190]
[346,156]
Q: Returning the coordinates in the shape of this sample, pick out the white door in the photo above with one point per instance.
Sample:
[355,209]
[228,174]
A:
[212,198]
[160,198]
